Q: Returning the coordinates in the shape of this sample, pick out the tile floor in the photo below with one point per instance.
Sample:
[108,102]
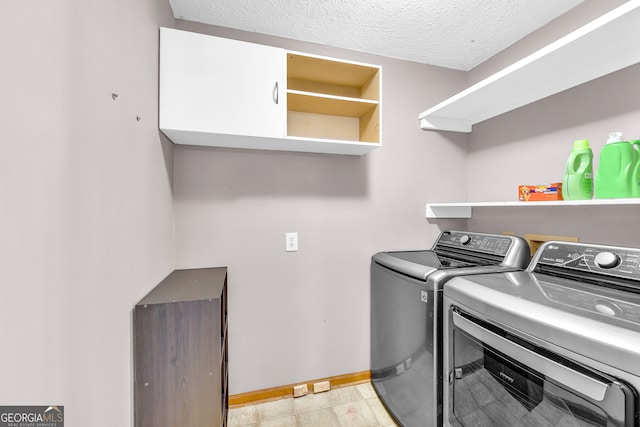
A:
[353,406]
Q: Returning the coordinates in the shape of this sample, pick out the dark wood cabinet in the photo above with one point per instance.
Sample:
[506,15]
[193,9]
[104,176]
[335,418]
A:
[181,350]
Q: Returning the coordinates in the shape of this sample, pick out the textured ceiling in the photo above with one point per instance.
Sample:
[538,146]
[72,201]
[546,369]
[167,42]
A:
[457,34]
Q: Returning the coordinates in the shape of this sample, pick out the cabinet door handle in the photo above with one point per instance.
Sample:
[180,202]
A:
[275,93]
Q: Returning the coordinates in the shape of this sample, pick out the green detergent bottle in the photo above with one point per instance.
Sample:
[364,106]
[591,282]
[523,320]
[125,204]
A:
[636,170]
[577,183]
[618,163]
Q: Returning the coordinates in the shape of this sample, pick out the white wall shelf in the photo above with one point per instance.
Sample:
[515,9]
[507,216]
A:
[464,210]
[606,44]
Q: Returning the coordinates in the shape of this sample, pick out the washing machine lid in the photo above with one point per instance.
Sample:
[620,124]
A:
[416,264]
[601,324]
[459,250]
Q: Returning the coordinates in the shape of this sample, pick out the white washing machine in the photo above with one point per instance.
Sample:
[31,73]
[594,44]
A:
[556,345]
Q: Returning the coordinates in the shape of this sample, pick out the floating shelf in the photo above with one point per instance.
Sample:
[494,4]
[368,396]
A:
[464,210]
[606,44]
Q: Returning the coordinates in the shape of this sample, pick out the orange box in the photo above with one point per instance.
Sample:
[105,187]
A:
[540,193]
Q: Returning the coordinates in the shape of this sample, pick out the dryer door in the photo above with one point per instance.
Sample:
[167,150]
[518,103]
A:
[497,379]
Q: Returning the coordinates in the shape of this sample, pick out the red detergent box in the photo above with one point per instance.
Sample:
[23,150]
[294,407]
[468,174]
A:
[540,193]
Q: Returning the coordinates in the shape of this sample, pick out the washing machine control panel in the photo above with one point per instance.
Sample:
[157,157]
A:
[478,242]
[607,260]
[612,261]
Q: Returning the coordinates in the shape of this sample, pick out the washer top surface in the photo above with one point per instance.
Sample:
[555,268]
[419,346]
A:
[586,311]
[459,250]
[429,259]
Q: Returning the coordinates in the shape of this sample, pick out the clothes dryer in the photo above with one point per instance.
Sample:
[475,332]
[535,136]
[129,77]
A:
[557,344]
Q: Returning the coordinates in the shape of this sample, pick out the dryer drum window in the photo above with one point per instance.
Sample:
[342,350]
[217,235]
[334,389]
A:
[503,388]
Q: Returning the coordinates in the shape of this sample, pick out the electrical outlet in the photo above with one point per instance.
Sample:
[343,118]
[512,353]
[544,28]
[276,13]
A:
[291,242]
[321,386]
[300,390]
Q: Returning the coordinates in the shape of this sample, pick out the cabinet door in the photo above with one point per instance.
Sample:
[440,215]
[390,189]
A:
[220,86]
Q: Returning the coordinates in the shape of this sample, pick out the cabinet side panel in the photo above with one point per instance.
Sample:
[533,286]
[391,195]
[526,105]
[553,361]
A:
[371,88]
[177,364]
[152,355]
[370,126]
[370,122]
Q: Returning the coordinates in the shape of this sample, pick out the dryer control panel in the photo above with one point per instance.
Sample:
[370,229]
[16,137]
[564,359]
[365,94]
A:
[588,259]
[626,308]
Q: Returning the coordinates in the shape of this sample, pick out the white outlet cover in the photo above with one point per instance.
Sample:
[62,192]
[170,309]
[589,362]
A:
[291,242]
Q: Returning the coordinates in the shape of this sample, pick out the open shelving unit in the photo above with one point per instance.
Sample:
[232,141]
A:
[334,100]
[606,44]
[464,209]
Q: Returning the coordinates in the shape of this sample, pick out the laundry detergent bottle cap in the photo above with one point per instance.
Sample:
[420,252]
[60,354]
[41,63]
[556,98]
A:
[616,169]
[614,137]
[580,144]
[577,183]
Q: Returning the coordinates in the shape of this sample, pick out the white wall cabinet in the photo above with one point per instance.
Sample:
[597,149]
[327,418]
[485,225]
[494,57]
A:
[227,93]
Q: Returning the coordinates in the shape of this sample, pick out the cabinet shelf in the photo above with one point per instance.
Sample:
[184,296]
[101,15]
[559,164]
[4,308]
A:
[606,44]
[464,209]
[309,102]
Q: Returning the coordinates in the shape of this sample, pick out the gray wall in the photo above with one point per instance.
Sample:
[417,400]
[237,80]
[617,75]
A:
[530,145]
[582,14]
[305,315]
[86,213]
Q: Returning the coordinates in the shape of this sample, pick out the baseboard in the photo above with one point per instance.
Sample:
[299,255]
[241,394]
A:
[287,390]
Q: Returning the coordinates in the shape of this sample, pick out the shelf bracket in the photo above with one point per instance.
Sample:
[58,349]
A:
[444,123]
[448,211]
